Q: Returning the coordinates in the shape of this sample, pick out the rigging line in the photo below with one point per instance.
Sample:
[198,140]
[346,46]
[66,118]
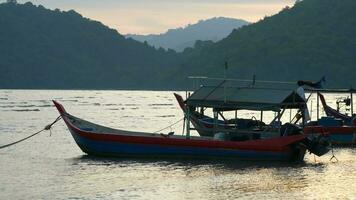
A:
[333,155]
[240,80]
[211,92]
[48,127]
[169,125]
[183,125]
[299,111]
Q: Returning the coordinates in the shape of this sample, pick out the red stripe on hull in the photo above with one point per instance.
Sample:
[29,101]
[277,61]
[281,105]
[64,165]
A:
[280,144]
[277,144]
[330,130]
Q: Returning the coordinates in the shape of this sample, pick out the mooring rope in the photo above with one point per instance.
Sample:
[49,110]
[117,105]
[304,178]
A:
[333,155]
[169,126]
[46,128]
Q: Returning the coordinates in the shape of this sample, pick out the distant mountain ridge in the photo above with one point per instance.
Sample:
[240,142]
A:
[213,29]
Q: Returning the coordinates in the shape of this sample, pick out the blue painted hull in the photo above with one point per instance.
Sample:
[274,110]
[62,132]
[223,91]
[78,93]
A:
[99,140]
[343,139]
[337,135]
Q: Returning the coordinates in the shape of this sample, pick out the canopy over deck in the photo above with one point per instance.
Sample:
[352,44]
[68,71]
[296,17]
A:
[347,91]
[246,98]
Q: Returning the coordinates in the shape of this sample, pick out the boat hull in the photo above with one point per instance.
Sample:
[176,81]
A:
[340,127]
[341,135]
[95,139]
[124,149]
[343,139]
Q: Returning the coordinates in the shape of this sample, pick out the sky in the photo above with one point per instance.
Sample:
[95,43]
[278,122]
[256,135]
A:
[157,16]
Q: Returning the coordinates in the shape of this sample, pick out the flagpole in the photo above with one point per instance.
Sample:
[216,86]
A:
[225,76]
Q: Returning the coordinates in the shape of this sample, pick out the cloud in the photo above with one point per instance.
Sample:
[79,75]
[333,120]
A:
[156,16]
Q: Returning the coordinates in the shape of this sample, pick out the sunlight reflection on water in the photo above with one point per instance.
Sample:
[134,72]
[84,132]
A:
[53,167]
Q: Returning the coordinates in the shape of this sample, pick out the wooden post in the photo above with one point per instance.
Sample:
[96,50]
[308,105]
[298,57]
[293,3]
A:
[188,123]
[303,117]
[352,104]
[261,119]
[317,106]
[215,120]
[235,118]
[311,109]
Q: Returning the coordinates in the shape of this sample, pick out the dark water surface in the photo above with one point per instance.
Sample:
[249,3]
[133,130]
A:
[53,167]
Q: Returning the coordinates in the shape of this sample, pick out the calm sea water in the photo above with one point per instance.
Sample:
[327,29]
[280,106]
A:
[53,167]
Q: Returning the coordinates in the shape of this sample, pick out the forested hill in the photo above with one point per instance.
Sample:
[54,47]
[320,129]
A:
[213,29]
[41,48]
[311,39]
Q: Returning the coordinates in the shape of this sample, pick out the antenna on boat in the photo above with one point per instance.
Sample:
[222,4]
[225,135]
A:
[225,70]
[225,76]
[352,100]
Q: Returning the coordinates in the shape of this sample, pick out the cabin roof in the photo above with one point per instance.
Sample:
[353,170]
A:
[249,98]
[328,90]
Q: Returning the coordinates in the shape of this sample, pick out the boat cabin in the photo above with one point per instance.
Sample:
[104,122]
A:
[229,100]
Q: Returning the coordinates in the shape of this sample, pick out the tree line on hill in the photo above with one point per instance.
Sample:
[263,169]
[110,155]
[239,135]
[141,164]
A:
[42,48]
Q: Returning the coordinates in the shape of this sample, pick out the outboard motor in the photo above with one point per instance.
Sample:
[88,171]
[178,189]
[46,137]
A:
[319,145]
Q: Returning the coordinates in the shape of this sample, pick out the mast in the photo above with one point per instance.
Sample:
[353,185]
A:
[215,112]
[261,119]
[352,103]
[187,117]
[188,122]
[317,106]
[225,76]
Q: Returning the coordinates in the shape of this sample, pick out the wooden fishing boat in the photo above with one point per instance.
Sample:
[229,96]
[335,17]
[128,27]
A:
[341,127]
[98,140]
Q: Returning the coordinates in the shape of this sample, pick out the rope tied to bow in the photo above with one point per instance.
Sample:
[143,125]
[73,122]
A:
[46,128]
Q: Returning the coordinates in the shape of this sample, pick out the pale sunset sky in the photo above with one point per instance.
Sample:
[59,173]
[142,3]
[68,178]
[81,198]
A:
[157,16]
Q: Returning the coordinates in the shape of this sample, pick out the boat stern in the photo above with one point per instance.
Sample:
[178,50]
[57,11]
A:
[318,145]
